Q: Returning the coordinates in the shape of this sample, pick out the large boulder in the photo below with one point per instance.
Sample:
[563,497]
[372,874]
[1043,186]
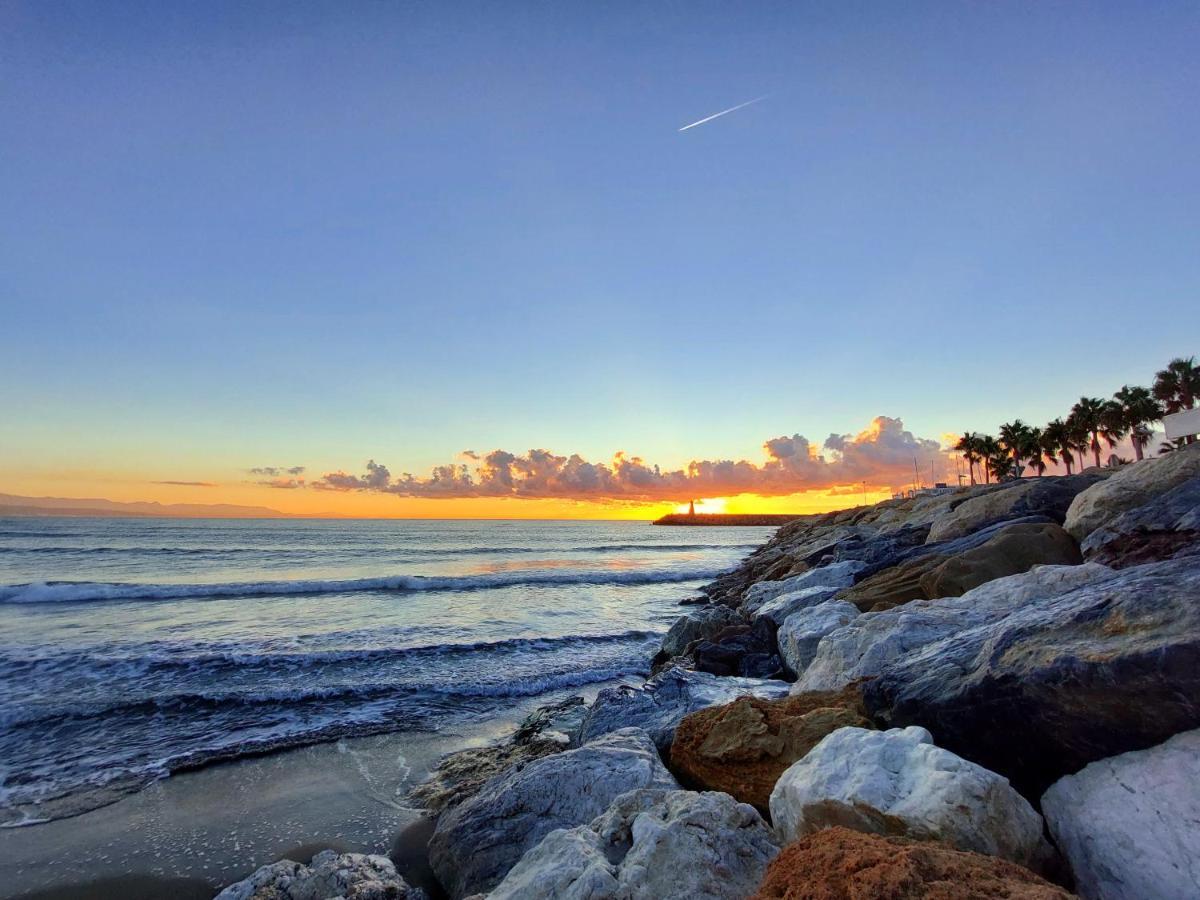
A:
[881,551]
[802,631]
[840,864]
[1131,487]
[649,845]
[700,624]
[666,698]
[898,782]
[1015,549]
[1106,668]
[749,651]
[865,646]
[330,876]
[1164,527]
[1128,825]
[548,729]
[893,586]
[1028,496]
[837,575]
[743,747]
[478,841]
[775,611]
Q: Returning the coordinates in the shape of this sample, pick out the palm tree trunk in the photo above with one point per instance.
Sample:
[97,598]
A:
[1137,449]
[1096,448]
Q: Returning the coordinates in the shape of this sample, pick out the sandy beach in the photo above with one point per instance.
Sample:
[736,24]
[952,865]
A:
[191,834]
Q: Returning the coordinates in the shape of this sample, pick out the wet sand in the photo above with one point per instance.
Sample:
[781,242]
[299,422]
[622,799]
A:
[189,835]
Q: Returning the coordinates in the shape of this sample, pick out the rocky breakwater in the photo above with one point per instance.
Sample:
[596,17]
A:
[945,672]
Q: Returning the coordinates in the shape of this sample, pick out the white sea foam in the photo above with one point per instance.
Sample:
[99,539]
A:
[88,591]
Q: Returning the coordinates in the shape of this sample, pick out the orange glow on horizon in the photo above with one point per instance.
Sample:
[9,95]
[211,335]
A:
[125,487]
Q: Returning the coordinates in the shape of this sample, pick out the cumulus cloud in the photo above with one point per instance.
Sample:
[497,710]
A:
[286,484]
[275,471]
[882,456]
[188,483]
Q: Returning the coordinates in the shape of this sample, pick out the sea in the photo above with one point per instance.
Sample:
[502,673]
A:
[132,649]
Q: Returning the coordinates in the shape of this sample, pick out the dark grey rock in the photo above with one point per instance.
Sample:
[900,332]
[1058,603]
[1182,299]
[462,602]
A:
[1106,668]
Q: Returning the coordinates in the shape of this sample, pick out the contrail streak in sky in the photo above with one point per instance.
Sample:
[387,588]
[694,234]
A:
[724,112]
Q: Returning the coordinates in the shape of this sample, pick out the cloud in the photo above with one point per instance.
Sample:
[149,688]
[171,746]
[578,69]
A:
[286,484]
[188,483]
[882,456]
[274,471]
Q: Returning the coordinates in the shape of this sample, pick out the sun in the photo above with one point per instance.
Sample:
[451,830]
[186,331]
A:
[709,505]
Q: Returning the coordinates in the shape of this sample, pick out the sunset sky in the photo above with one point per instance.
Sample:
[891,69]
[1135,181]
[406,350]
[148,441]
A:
[240,239]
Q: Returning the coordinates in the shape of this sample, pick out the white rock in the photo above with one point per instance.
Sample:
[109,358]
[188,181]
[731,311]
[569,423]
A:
[477,842]
[660,704]
[650,845]
[837,575]
[784,605]
[1130,825]
[898,782]
[1131,487]
[866,645]
[330,875]
[802,631]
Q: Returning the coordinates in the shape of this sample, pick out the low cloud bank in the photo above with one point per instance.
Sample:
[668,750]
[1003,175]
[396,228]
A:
[882,456]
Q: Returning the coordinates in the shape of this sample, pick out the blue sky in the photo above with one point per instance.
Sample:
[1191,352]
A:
[238,234]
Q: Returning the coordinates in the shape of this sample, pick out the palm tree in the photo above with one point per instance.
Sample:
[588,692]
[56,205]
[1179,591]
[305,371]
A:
[968,446]
[989,449]
[1013,437]
[1001,463]
[1137,410]
[1034,450]
[1177,386]
[1093,415]
[1057,444]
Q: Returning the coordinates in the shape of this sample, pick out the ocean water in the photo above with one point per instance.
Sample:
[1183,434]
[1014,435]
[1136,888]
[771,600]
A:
[134,648]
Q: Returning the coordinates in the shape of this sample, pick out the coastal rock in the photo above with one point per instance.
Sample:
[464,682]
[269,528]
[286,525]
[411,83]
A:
[330,875]
[775,611]
[881,551]
[894,586]
[1166,526]
[478,841]
[1128,824]
[743,747]
[665,699]
[1131,487]
[949,568]
[548,729]
[837,575]
[700,624]
[1013,550]
[649,845]
[1028,496]
[745,650]
[801,632]
[840,864]
[1106,668]
[897,782]
[865,646]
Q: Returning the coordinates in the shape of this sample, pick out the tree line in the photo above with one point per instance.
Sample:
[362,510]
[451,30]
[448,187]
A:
[1130,412]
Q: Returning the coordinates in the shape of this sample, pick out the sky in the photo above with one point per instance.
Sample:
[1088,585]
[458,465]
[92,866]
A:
[273,236]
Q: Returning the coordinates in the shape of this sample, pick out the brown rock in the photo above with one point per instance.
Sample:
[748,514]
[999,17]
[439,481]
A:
[840,864]
[743,747]
[896,585]
[1015,549]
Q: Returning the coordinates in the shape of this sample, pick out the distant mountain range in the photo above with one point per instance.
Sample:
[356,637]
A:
[13,505]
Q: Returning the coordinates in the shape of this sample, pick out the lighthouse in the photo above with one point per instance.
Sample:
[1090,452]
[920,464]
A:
[691,507]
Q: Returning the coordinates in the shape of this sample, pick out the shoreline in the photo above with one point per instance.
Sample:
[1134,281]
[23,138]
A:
[199,830]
